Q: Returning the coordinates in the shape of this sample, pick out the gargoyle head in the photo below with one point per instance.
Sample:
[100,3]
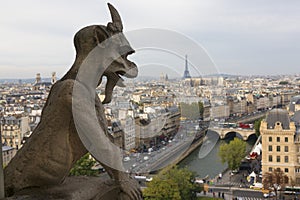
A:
[112,38]
[120,66]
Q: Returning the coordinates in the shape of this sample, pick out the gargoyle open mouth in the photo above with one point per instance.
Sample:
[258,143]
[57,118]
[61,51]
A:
[120,67]
[128,69]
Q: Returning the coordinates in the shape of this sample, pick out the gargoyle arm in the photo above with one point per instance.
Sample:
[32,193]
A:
[89,124]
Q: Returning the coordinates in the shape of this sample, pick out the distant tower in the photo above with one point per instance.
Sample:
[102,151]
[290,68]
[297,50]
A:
[186,71]
[162,77]
[53,78]
[38,78]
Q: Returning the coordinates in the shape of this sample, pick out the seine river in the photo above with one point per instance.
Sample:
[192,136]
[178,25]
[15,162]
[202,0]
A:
[205,159]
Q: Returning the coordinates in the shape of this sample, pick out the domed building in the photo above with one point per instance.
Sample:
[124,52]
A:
[280,145]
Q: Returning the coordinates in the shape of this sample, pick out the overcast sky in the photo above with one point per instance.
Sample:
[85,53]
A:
[240,36]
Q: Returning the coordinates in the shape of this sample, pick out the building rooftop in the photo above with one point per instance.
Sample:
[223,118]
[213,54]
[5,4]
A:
[295,100]
[278,115]
[296,117]
[6,148]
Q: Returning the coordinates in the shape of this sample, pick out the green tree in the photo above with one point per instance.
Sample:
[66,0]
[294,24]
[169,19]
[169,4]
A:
[283,82]
[233,153]
[257,124]
[84,167]
[172,184]
[161,189]
[201,108]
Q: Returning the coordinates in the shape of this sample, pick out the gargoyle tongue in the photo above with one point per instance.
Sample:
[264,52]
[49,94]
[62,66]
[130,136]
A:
[113,79]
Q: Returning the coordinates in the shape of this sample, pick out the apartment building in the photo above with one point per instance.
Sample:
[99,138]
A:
[281,145]
[14,129]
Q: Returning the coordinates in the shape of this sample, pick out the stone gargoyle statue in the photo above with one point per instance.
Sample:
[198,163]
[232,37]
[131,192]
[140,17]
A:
[73,120]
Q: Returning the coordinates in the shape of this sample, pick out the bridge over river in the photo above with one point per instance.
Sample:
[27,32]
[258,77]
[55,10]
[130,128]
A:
[248,118]
[243,133]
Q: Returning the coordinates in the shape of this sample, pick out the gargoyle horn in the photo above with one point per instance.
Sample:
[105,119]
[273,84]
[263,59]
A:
[116,19]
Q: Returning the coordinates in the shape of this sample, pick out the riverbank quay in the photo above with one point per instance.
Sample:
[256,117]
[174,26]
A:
[232,193]
[232,179]
[195,144]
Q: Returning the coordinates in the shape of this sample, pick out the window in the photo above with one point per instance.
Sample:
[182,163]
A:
[270,158]
[270,139]
[297,170]
[270,169]
[286,139]
[286,149]
[278,148]
[270,147]
[278,139]
[277,158]
[286,159]
[286,170]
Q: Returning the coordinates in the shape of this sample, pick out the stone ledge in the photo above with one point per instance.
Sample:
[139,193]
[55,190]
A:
[73,188]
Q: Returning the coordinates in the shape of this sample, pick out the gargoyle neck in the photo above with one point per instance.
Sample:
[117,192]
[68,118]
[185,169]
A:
[72,73]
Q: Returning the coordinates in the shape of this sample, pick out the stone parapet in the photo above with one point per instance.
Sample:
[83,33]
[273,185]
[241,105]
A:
[73,188]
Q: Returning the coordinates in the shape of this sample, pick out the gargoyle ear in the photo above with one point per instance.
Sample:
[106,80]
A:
[116,25]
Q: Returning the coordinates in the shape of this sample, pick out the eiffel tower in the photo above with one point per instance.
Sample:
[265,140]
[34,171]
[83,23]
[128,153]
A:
[186,73]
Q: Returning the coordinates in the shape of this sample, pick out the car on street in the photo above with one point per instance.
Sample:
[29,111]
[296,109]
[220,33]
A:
[270,194]
[149,179]
[256,186]
[146,158]
[127,158]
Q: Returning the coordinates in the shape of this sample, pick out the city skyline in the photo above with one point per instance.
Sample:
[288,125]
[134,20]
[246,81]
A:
[241,38]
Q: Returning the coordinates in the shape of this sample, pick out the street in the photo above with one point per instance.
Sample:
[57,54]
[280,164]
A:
[140,163]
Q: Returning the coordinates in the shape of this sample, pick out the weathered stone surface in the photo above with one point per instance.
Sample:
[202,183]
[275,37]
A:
[58,142]
[73,188]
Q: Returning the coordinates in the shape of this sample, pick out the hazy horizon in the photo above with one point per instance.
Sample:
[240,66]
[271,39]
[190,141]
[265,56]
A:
[48,78]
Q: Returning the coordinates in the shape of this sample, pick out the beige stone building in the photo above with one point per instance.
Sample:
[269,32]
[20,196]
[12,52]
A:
[280,145]
[14,129]
[219,111]
[7,154]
